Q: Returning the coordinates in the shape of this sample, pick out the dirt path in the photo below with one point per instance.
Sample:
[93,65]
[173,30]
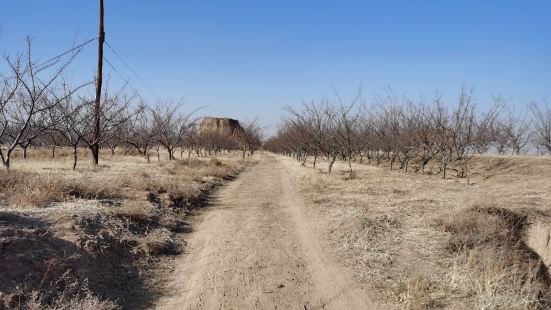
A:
[256,249]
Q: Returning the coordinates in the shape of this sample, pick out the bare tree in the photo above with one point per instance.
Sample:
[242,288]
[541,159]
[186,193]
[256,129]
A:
[518,133]
[76,124]
[141,133]
[541,113]
[25,109]
[405,131]
[171,126]
[250,138]
[347,121]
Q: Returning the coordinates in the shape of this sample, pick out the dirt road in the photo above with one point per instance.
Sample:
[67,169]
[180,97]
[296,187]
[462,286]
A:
[256,248]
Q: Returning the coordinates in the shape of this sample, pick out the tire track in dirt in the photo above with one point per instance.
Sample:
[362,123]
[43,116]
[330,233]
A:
[256,249]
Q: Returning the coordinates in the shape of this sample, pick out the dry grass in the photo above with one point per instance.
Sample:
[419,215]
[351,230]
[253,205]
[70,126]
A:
[107,223]
[491,260]
[66,294]
[41,181]
[30,189]
[421,242]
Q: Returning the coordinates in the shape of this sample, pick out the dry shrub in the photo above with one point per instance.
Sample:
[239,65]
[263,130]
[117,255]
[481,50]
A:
[104,234]
[369,243]
[51,283]
[195,169]
[215,162]
[83,302]
[66,295]
[136,210]
[24,189]
[491,262]
[135,229]
[95,189]
[27,189]
[417,293]
[186,195]
[191,162]
[162,241]
[379,226]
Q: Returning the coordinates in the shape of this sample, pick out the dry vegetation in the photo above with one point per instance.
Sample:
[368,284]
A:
[422,242]
[88,238]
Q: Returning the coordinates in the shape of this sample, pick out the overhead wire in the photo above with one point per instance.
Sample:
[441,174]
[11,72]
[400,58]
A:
[132,70]
[126,80]
[109,63]
[67,52]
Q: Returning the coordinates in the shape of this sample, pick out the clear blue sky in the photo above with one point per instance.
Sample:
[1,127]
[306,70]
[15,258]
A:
[248,58]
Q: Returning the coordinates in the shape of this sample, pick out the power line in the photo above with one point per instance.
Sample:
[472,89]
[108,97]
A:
[132,70]
[126,80]
[66,52]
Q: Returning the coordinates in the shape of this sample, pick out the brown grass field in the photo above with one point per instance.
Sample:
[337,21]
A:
[421,242]
[89,237]
[103,237]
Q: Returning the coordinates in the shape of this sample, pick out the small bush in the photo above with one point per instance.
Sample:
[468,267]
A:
[75,296]
[379,225]
[23,189]
[162,241]
[215,162]
[136,210]
[26,189]
[94,189]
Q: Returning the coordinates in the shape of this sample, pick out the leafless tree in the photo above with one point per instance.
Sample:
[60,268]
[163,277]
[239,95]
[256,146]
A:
[26,106]
[141,132]
[347,120]
[518,131]
[76,123]
[171,126]
[541,113]
[250,138]
[404,131]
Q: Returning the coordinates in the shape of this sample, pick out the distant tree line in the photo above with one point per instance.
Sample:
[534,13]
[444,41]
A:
[410,134]
[40,108]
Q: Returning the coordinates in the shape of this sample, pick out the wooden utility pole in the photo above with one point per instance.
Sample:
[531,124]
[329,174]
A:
[97,103]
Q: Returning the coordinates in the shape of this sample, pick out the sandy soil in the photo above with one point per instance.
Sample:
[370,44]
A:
[257,248]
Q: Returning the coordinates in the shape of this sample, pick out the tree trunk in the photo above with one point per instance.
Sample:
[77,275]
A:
[331,163]
[75,157]
[95,154]
[350,165]
[7,162]
[53,151]
[25,152]
[315,159]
